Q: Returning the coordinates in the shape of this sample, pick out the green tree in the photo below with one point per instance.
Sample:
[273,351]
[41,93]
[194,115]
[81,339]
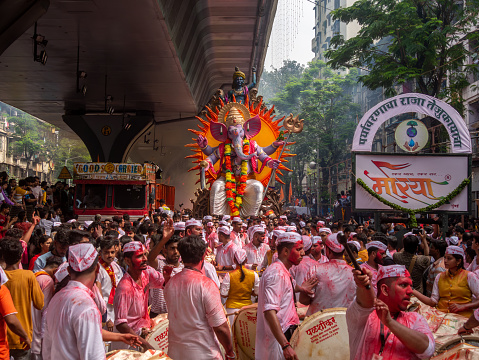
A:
[275,80]
[67,152]
[29,137]
[426,43]
[322,98]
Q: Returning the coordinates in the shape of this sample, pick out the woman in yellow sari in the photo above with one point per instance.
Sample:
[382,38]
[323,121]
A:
[453,289]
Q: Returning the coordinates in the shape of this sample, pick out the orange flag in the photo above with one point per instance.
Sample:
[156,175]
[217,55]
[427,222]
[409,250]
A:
[290,192]
[281,196]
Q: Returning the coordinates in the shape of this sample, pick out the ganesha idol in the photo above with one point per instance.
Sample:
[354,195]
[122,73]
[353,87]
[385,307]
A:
[236,190]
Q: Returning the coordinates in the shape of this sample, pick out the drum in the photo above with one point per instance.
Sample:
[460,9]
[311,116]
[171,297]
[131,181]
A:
[323,335]
[244,332]
[135,355]
[158,338]
[465,347]
[444,326]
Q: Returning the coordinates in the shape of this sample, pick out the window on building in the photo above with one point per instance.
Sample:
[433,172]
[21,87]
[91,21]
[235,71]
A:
[329,19]
[337,4]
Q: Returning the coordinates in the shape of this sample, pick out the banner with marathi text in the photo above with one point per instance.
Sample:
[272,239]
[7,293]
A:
[412,182]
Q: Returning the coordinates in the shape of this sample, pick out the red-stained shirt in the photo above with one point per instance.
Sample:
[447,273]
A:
[194,309]
[131,299]
[364,329]
[336,286]
[6,308]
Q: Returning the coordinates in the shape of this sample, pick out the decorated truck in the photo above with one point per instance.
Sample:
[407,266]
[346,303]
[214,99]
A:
[111,189]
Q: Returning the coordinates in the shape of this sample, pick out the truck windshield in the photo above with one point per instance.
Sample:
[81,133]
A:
[92,198]
[129,196]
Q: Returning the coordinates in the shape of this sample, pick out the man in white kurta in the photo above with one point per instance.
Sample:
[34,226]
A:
[276,293]
[301,271]
[256,249]
[72,320]
[195,311]
[109,277]
[225,252]
[336,287]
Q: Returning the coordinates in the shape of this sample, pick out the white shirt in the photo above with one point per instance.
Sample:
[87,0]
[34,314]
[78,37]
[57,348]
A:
[225,254]
[194,309]
[473,265]
[300,272]
[210,272]
[336,286]
[275,293]
[157,298]
[73,326]
[236,238]
[255,255]
[47,285]
[106,287]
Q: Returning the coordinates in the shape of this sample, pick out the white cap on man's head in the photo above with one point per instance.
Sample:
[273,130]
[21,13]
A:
[193,222]
[376,244]
[208,218]
[257,229]
[289,237]
[179,226]
[226,217]
[237,219]
[133,246]
[224,230]
[81,256]
[307,242]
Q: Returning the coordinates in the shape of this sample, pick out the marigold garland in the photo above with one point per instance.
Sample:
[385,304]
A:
[412,212]
[235,191]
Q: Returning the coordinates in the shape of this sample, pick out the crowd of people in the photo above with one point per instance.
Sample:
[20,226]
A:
[69,287]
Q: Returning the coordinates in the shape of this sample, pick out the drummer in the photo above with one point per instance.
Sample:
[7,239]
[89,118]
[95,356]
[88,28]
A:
[277,316]
[455,290]
[256,249]
[195,311]
[239,286]
[335,287]
[131,297]
[381,328]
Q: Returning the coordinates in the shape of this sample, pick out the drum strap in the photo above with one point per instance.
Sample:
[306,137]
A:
[384,338]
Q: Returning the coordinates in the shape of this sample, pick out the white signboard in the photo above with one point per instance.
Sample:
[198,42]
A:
[412,103]
[412,182]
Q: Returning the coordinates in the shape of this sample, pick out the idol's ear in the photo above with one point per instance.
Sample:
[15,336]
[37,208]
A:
[219,131]
[252,127]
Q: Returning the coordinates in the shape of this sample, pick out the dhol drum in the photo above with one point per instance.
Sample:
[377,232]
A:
[135,355]
[465,347]
[244,332]
[158,338]
[323,335]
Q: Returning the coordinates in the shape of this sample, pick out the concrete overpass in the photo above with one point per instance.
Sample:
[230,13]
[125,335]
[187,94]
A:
[150,65]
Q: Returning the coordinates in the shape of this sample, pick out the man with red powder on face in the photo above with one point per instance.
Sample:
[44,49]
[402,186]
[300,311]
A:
[277,316]
[131,295]
[376,252]
[381,328]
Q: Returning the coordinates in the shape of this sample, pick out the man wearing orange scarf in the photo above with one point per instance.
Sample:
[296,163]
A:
[109,276]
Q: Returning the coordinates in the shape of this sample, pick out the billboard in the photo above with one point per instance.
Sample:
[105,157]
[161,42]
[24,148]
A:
[412,182]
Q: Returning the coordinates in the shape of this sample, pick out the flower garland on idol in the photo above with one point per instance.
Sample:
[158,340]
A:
[235,191]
